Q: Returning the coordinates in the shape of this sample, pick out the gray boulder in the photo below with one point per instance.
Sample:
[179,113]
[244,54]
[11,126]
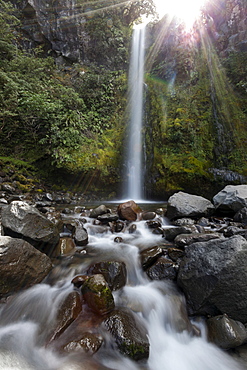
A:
[231,199]
[225,332]
[213,277]
[182,204]
[24,221]
[21,265]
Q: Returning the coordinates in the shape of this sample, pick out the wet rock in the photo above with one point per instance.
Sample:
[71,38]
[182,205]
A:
[116,227]
[129,334]
[80,235]
[68,312]
[231,199]
[213,277]
[170,233]
[98,211]
[132,228]
[21,220]
[88,342]
[225,332]
[114,273]
[175,254]
[129,211]
[186,239]
[182,204]
[97,294]
[21,265]
[66,245]
[153,224]
[148,215]
[79,280]
[185,221]
[149,256]
[163,268]
[118,239]
[108,217]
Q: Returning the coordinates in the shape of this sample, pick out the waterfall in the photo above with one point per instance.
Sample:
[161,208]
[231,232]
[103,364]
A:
[134,147]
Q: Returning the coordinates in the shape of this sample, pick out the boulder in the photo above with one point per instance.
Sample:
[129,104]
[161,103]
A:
[21,265]
[182,204]
[97,294]
[231,199]
[225,332]
[114,273]
[24,221]
[129,333]
[88,342]
[163,268]
[150,256]
[213,277]
[80,236]
[186,239]
[98,211]
[68,312]
[129,211]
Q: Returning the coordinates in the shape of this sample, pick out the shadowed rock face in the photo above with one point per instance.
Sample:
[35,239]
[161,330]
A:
[21,265]
[213,277]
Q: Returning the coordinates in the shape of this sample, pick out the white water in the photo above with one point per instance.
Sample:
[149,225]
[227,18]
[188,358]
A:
[26,320]
[134,147]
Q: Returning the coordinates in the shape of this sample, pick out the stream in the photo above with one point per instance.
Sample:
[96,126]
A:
[27,317]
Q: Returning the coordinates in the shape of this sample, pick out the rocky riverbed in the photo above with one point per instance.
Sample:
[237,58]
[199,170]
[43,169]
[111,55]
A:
[196,246]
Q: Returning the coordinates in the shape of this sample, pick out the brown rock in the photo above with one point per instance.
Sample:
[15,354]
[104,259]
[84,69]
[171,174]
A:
[129,211]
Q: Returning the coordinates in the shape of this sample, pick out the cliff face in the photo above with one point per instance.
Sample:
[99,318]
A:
[71,32]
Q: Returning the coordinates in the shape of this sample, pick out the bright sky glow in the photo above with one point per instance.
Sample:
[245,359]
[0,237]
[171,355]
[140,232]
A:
[186,10]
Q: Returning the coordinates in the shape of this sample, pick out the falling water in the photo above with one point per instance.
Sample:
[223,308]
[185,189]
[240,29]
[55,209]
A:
[26,320]
[134,147]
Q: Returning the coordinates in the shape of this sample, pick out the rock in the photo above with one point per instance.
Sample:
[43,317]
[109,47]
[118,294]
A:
[88,342]
[98,211]
[21,265]
[186,239]
[148,215]
[80,235]
[66,245]
[114,273]
[79,280]
[97,294]
[68,312]
[182,204]
[170,233]
[175,254]
[129,211]
[150,255]
[225,332]
[213,277]
[21,220]
[231,199]
[129,334]
[163,268]
[108,217]
[151,224]
[8,188]
[241,216]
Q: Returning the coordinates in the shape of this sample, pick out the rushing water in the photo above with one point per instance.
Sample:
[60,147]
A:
[135,141]
[26,319]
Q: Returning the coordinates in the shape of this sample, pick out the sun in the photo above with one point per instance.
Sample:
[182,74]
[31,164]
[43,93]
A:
[186,10]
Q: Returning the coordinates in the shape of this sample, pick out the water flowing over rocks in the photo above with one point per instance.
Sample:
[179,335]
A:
[95,285]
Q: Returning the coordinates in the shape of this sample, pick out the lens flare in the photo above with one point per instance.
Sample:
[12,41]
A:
[187,11]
